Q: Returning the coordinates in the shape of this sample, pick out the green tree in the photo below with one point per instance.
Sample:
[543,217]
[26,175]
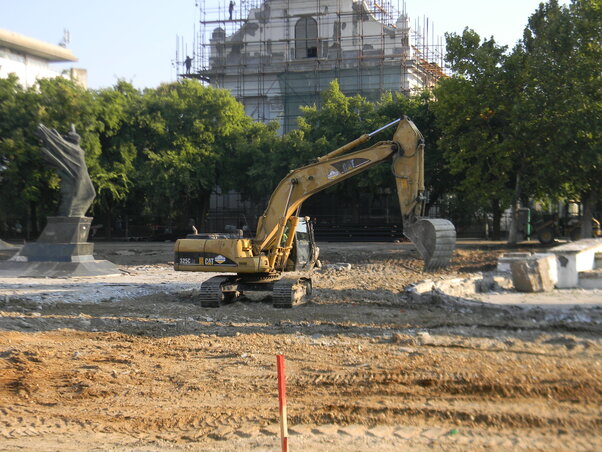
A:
[186,129]
[114,175]
[562,99]
[250,164]
[19,173]
[103,119]
[338,121]
[473,111]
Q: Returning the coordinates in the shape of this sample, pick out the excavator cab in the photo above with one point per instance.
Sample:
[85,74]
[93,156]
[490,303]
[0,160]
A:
[304,254]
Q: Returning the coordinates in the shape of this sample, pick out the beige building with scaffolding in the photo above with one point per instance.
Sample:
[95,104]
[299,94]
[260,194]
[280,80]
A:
[278,55]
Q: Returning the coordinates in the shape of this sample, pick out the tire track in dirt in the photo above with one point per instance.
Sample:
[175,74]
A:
[174,374]
[448,383]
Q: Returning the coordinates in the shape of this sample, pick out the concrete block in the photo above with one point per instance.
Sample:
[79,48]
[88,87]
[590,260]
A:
[552,262]
[573,258]
[505,260]
[532,275]
[591,279]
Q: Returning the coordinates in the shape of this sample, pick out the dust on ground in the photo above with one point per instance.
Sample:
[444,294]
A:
[133,363]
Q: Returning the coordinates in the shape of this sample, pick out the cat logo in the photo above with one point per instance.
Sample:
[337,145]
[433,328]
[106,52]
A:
[219,259]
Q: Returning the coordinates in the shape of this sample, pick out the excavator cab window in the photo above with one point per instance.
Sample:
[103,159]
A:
[302,254]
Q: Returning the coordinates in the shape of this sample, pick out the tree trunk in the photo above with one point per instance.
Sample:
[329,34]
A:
[35,227]
[109,222]
[31,230]
[497,219]
[513,233]
[203,210]
[589,202]
[198,209]
[432,200]
[355,208]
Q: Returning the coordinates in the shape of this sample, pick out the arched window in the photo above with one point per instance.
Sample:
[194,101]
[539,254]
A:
[306,38]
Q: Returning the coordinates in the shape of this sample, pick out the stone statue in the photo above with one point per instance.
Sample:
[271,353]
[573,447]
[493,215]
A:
[62,249]
[65,154]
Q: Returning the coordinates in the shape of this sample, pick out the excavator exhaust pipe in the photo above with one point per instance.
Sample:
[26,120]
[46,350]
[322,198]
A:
[435,240]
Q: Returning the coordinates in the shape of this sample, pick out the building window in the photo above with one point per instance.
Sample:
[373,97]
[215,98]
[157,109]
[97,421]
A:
[306,38]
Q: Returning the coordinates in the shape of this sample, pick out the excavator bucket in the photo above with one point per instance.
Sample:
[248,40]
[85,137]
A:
[435,240]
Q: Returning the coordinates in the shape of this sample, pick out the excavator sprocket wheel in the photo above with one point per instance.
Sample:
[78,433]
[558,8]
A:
[435,240]
[290,292]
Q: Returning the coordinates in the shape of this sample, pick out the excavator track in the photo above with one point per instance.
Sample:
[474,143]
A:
[211,295]
[289,292]
[435,240]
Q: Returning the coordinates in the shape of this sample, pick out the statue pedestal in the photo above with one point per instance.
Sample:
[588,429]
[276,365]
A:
[64,239]
[61,251]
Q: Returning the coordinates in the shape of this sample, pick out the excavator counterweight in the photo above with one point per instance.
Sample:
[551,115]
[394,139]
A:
[284,242]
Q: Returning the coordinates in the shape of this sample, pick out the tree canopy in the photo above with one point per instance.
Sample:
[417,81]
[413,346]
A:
[526,123]
[507,125]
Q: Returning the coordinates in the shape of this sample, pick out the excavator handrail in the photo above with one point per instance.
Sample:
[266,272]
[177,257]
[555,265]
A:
[352,144]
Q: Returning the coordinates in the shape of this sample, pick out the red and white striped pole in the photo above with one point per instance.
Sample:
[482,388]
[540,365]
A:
[282,402]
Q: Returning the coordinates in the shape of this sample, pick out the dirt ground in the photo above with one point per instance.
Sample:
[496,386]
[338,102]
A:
[130,362]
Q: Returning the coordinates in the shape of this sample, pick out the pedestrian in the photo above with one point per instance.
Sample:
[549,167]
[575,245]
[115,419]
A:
[231,8]
[188,64]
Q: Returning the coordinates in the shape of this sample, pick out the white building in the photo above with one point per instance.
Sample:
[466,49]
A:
[31,59]
[278,55]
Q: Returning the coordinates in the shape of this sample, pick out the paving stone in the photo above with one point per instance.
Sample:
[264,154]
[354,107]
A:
[532,275]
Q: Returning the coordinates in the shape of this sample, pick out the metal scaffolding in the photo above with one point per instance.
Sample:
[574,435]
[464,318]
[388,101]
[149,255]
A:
[277,55]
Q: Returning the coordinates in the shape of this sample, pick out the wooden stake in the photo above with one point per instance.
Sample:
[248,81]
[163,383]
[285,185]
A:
[282,402]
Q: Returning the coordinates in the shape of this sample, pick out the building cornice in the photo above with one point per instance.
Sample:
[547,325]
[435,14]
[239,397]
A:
[31,46]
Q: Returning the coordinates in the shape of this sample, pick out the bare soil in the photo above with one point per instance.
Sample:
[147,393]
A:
[133,363]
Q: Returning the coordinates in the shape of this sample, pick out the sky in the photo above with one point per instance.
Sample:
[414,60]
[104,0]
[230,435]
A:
[135,40]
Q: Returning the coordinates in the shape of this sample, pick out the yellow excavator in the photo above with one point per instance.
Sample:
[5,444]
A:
[284,242]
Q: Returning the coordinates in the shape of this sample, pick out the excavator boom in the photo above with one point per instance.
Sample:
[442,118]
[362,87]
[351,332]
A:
[434,238]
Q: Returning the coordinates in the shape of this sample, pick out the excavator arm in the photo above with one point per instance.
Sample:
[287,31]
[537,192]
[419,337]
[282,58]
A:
[434,238]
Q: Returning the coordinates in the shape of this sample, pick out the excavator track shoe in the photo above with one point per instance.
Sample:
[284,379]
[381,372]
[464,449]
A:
[435,240]
[211,294]
[290,292]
